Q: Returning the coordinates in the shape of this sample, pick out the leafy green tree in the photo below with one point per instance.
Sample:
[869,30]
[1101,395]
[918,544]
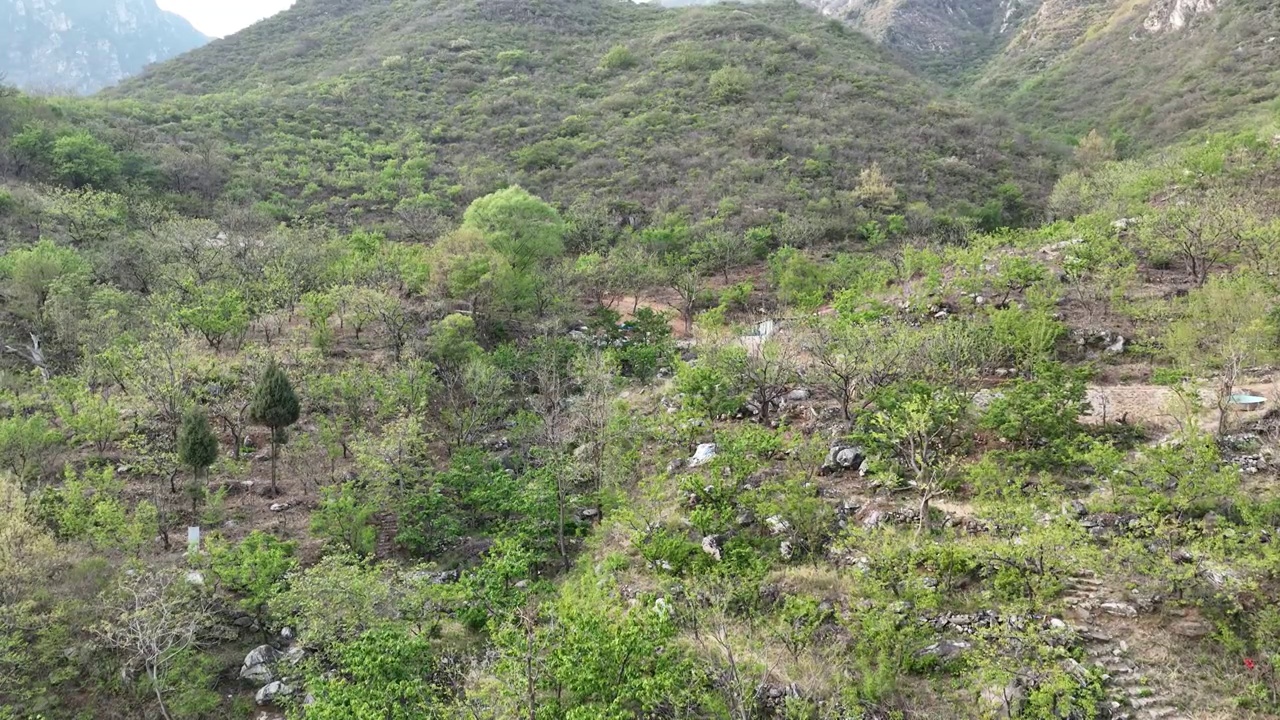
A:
[91,417]
[523,229]
[721,251]
[33,147]
[216,315]
[453,342]
[1026,336]
[1220,330]
[345,519]
[799,279]
[619,57]
[615,664]
[81,160]
[729,84]
[500,585]
[197,449]
[31,275]
[385,674]
[89,217]
[1040,415]
[708,391]
[27,445]
[257,568]
[334,601]
[276,407]
[922,428]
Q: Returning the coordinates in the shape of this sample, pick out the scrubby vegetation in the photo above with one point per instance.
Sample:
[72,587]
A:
[397,114]
[885,447]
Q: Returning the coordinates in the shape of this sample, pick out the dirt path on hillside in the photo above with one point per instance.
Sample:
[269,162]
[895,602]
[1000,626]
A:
[1158,406]
[626,305]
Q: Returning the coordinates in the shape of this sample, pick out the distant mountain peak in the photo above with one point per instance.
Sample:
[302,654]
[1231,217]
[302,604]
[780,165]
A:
[81,46]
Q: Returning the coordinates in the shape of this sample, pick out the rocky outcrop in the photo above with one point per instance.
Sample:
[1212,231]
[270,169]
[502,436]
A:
[842,457]
[1172,15]
[257,666]
[64,46]
[926,28]
[272,692]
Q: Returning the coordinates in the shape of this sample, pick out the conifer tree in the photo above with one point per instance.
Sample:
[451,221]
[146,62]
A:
[276,407]
[197,449]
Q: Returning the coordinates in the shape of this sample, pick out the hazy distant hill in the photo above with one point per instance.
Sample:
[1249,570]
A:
[80,46]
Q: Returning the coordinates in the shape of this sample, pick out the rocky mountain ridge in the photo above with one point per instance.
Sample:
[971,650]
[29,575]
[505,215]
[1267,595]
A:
[81,46]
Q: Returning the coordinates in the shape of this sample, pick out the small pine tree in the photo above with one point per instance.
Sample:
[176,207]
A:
[275,406]
[197,449]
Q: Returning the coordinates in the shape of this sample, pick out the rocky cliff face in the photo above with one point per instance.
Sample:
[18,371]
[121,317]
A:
[1175,14]
[81,46]
[946,34]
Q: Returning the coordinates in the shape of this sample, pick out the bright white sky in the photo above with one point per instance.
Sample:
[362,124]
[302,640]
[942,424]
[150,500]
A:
[220,18]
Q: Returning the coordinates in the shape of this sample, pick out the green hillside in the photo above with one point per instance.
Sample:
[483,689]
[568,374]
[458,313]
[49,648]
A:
[582,360]
[1129,69]
[333,111]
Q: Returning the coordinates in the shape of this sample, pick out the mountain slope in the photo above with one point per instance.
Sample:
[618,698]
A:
[947,38]
[735,111]
[1152,70]
[81,46]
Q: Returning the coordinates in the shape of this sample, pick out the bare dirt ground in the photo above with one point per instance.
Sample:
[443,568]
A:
[1161,408]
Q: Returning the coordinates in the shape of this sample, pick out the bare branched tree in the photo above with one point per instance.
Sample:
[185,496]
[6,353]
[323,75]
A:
[770,371]
[154,617]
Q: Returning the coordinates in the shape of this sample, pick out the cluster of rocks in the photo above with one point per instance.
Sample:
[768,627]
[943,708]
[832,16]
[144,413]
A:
[1106,524]
[1105,342]
[967,624]
[771,700]
[267,667]
[875,514]
[1052,250]
[1245,451]
[713,544]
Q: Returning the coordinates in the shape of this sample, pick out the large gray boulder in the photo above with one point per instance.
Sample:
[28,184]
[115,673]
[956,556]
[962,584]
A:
[257,664]
[705,453]
[842,457]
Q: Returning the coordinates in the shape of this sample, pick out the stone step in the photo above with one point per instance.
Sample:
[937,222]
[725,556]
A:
[1137,691]
[1162,712]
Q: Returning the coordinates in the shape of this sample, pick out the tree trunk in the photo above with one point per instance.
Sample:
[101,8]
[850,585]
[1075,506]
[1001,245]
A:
[274,443]
[560,503]
[530,681]
[154,673]
[923,528]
